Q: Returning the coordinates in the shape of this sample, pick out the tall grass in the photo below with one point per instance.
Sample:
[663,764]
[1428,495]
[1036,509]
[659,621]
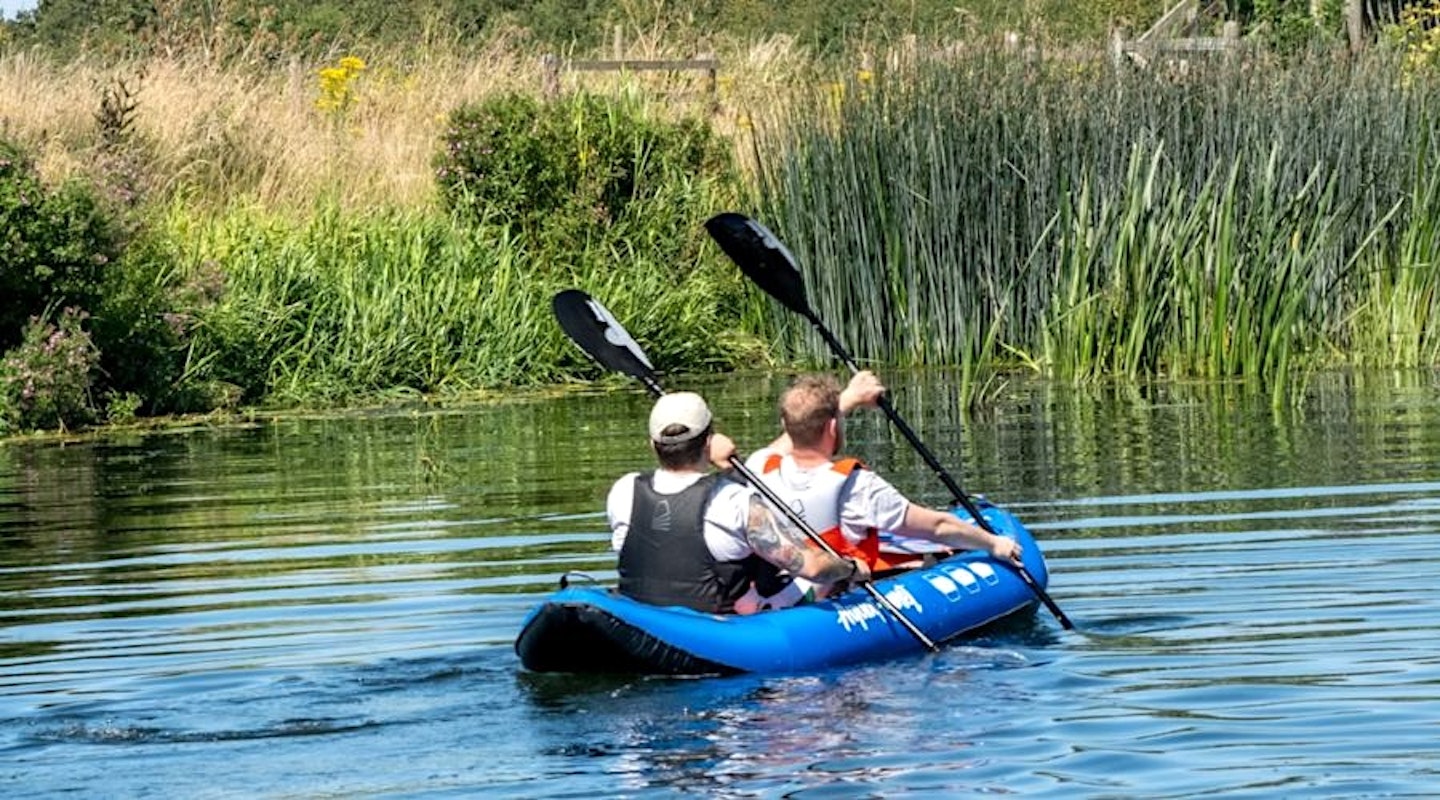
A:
[972,207]
[342,274]
[345,304]
[1397,321]
[214,132]
[1238,221]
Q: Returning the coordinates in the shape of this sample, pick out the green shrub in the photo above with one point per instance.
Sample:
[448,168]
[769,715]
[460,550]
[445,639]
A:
[1289,27]
[55,246]
[45,382]
[144,326]
[583,164]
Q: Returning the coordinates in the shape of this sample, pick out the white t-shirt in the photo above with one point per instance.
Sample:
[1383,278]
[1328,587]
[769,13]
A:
[726,514]
[871,502]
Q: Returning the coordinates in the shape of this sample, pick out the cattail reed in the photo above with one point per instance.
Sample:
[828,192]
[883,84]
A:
[1241,219]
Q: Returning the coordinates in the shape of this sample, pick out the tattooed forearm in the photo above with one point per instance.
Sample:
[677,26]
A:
[770,541]
[782,544]
[834,570]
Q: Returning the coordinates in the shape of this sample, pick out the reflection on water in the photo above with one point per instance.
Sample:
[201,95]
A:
[327,605]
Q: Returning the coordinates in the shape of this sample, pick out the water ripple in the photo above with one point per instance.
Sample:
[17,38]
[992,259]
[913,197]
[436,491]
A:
[327,607]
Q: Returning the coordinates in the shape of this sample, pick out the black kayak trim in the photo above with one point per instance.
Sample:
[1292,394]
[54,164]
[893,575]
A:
[580,638]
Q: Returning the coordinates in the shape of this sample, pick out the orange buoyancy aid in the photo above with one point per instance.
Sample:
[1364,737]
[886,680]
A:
[819,503]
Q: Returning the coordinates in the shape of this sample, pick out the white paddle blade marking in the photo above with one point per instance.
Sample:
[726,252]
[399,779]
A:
[615,333]
[771,241]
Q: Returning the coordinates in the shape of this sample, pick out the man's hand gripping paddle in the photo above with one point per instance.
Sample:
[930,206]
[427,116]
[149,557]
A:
[771,266]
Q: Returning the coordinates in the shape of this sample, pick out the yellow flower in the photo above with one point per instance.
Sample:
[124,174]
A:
[337,92]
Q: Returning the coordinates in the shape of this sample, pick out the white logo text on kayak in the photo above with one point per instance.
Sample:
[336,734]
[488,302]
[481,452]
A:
[860,614]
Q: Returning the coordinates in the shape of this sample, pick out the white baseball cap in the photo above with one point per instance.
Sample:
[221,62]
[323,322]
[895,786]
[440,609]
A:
[685,409]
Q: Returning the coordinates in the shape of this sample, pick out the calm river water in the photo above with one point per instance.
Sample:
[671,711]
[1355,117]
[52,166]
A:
[326,607]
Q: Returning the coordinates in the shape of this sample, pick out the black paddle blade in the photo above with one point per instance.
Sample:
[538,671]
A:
[762,258]
[592,327]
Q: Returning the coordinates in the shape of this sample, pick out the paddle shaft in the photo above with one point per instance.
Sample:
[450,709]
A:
[956,492]
[579,314]
[905,430]
[799,522]
[767,262]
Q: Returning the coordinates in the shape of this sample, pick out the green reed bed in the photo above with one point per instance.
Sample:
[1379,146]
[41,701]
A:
[1241,220]
[1397,321]
[336,305]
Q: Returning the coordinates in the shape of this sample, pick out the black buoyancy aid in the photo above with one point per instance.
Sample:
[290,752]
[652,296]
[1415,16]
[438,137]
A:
[665,560]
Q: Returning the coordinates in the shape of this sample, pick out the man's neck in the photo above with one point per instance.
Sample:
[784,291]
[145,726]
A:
[808,457]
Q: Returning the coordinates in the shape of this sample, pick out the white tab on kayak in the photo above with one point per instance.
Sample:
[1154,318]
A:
[985,571]
[964,577]
[895,543]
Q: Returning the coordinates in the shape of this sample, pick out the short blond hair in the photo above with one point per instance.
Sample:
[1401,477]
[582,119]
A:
[807,407]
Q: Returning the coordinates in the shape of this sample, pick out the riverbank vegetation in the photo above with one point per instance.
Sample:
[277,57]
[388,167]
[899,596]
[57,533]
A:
[1238,221]
[260,212]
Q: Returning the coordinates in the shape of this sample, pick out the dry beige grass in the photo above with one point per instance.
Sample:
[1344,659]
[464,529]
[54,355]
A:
[218,134]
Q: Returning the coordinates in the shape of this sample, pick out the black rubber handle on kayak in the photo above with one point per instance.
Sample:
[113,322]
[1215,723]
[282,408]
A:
[591,326]
[772,267]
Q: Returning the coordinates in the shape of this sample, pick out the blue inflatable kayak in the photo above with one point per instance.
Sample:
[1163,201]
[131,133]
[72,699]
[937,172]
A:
[594,630]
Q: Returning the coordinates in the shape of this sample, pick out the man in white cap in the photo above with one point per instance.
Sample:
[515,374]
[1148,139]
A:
[693,538]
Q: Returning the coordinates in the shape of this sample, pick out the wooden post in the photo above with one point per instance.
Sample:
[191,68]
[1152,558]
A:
[296,76]
[549,75]
[712,82]
[1355,24]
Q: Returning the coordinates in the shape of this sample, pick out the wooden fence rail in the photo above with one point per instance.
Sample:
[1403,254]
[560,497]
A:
[1170,37]
[551,67]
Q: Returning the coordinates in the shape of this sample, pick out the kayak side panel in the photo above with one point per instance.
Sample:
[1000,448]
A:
[584,636]
[593,630]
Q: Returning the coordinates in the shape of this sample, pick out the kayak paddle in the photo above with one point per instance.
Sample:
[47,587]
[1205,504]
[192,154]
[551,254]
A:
[772,267]
[591,326]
